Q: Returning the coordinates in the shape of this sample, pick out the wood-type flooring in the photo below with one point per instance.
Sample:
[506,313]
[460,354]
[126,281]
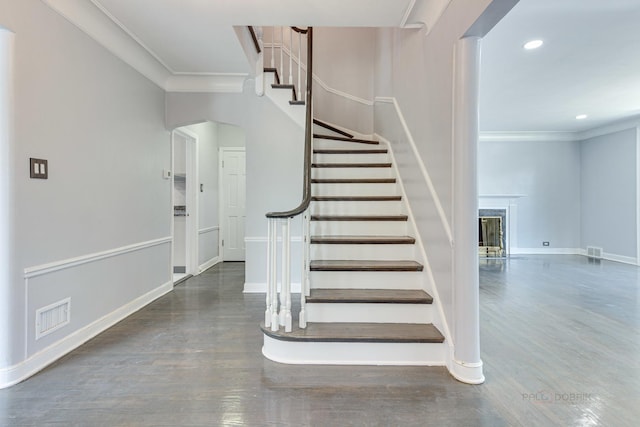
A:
[560,339]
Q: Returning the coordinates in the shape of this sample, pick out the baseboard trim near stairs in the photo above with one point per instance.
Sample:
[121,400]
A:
[332,353]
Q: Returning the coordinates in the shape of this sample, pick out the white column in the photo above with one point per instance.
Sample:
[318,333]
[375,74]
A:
[466,365]
[7,263]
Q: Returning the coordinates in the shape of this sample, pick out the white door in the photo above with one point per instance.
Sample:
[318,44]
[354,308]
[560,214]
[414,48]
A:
[233,203]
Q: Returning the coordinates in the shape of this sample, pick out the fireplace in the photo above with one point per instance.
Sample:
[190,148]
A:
[492,232]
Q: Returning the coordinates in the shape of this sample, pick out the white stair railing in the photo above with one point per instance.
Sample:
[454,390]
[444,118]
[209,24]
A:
[286,52]
[278,298]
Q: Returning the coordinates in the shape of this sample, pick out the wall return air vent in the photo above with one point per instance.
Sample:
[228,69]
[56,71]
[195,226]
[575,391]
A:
[52,317]
[594,252]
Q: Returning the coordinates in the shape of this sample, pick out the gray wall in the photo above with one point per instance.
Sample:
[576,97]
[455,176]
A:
[417,70]
[274,150]
[82,109]
[207,199]
[609,193]
[547,174]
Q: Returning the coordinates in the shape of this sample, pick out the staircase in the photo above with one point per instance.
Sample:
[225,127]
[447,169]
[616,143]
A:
[366,294]
[367,303]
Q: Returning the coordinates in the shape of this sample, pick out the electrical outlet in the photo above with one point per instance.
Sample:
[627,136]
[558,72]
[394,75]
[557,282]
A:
[39,168]
[545,243]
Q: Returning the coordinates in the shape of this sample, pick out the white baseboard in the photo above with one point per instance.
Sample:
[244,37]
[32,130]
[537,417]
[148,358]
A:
[23,370]
[261,288]
[207,265]
[546,251]
[573,251]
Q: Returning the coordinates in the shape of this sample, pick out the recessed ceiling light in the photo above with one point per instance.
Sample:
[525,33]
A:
[533,44]
[581,116]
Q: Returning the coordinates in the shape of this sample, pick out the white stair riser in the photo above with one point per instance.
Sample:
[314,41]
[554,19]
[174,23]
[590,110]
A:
[342,145]
[357,208]
[352,173]
[351,158]
[318,353]
[370,313]
[370,228]
[366,279]
[368,189]
[363,252]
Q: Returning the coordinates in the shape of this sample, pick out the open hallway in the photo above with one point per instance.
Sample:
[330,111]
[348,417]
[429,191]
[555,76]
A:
[560,342]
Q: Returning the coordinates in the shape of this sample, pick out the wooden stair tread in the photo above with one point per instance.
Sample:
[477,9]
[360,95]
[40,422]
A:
[351,165]
[287,86]
[359,217]
[350,151]
[298,102]
[363,240]
[345,139]
[360,332]
[332,128]
[356,198]
[353,180]
[364,265]
[369,296]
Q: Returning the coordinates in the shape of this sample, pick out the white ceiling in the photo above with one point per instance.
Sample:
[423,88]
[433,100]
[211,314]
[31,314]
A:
[589,64]
[197,37]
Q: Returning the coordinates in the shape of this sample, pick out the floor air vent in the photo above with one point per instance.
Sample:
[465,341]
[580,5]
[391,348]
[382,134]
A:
[594,252]
[52,317]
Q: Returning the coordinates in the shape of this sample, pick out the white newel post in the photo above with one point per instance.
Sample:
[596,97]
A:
[466,365]
[7,303]
[273,273]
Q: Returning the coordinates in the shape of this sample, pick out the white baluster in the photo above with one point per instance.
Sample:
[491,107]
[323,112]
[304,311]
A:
[273,281]
[273,47]
[290,56]
[281,51]
[267,313]
[307,272]
[300,88]
[285,290]
[302,319]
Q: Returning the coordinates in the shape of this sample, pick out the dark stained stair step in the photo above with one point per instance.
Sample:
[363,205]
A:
[369,296]
[332,128]
[275,71]
[353,181]
[358,265]
[351,165]
[356,198]
[298,102]
[284,86]
[342,138]
[360,332]
[362,240]
[350,151]
[359,217]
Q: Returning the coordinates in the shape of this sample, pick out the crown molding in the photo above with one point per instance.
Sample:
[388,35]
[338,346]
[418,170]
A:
[609,128]
[92,19]
[527,136]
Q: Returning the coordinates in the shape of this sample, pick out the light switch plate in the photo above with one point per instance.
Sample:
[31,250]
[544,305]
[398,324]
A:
[38,168]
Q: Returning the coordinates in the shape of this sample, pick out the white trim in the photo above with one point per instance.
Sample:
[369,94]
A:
[546,251]
[208,229]
[210,83]
[423,169]
[207,265]
[321,82]
[433,289]
[405,17]
[619,258]
[264,239]
[131,34]
[261,287]
[468,373]
[527,136]
[608,129]
[501,196]
[19,372]
[638,195]
[51,267]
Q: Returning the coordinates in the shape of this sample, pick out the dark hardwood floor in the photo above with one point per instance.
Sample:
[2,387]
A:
[560,343]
